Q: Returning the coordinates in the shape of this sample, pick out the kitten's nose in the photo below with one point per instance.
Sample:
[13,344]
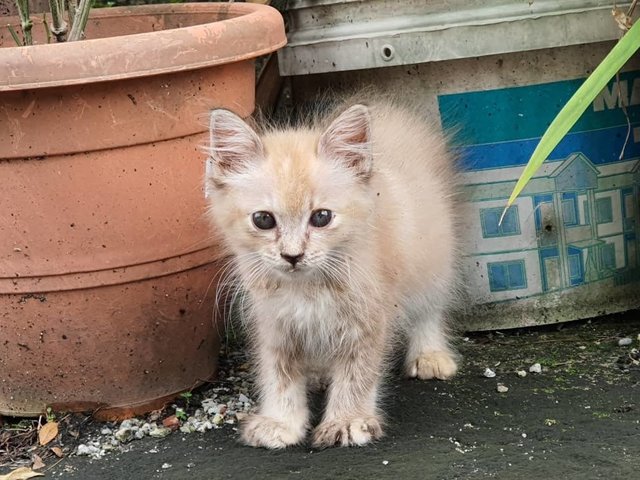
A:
[292,259]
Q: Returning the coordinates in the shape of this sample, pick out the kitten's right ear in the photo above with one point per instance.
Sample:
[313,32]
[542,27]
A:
[348,141]
[233,145]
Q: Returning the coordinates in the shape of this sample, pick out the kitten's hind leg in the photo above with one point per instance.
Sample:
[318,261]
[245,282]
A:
[429,354]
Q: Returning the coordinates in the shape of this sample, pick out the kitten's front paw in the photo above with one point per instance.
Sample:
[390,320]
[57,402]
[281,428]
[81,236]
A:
[267,432]
[355,431]
[433,364]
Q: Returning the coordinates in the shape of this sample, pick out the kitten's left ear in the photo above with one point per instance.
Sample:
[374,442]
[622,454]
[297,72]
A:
[348,141]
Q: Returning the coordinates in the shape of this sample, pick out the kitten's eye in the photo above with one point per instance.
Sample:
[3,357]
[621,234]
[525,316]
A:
[263,220]
[321,218]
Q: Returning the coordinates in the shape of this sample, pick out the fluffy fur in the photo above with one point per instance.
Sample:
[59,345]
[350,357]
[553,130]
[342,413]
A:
[384,265]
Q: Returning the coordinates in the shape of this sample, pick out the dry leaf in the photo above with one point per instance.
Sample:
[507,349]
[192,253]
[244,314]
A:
[57,452]
[37,462]
[22,473]
[48,432]
[622,19]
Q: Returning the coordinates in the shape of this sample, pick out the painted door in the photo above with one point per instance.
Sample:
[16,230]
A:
[550,265]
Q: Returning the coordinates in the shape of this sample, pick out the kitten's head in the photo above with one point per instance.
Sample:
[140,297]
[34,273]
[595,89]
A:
[291,204]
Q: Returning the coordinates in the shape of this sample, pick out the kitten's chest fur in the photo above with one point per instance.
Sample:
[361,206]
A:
[319,322]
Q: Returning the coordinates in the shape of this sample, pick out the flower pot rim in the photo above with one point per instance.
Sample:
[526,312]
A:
[250,31]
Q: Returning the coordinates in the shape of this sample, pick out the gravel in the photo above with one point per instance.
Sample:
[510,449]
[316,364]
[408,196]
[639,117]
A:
[216,407]
[535,368]
[489,373]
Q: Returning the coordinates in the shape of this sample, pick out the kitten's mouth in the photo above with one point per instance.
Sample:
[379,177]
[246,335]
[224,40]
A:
[295,270]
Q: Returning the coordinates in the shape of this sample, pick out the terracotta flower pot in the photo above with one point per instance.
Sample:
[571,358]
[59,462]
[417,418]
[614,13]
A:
[107,265]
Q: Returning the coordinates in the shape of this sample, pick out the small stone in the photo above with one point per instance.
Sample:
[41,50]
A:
[204,426]
[139,434]
[90,450]
[106,431]
[187,428]
[489,373]
[166,465]
[218,419]
[159,432]
[385,462]
[83,449]
[126,424]
[191,465]
[582,347]
[211,408]
[521,373]
[171,422]
[243,398]
[535,368]
[502,388]
[623,342]
[154,416]
[124,435]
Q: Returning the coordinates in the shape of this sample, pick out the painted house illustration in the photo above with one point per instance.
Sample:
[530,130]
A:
[576,223]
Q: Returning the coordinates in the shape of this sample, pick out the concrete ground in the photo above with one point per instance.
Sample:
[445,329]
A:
[579,418]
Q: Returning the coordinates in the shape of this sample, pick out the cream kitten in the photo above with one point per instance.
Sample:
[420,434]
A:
[343,236]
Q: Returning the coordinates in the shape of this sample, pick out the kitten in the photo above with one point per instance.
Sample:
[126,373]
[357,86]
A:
[343,237]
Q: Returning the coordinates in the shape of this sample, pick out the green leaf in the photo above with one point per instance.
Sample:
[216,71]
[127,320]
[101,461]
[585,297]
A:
[577,104]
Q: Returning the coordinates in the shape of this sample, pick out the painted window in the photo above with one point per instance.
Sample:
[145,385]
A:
[490,218]
[587,212]
[628,209]
[570,209]
[507,276]
[604,210]
[575,267]
[608,256]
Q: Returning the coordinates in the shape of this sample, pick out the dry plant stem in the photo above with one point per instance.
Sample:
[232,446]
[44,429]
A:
[622,101]
[58,25]
[72,7]
[14,35]
[26,23]
[626,115]
[46,27]
[80,20]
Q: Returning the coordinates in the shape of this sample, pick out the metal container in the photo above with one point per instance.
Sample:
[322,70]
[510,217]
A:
[497,75]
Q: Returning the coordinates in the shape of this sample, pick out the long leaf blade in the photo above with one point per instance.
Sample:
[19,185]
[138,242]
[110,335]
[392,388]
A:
[577,104]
